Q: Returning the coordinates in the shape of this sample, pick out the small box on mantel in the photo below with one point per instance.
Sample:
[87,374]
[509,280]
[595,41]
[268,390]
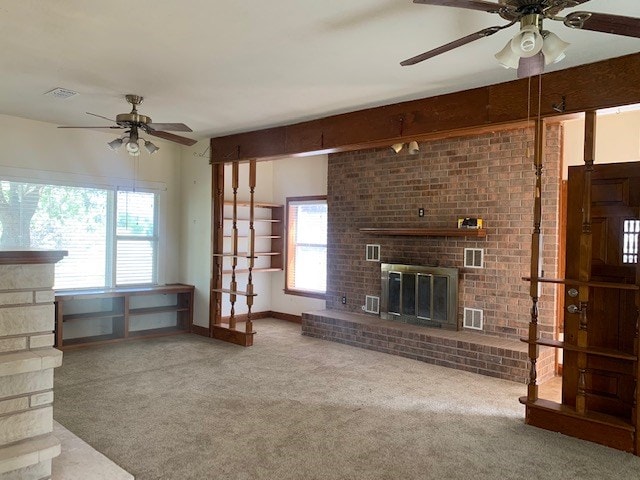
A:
[470,223]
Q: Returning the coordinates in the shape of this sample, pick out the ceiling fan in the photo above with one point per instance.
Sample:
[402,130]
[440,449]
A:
[533,47]
[134,123]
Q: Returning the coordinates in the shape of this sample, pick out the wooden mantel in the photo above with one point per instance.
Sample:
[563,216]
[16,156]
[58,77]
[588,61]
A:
[604,84]
[19,256]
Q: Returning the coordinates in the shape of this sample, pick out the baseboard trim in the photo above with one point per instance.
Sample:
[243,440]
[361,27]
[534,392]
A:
[287,317]
[198,330]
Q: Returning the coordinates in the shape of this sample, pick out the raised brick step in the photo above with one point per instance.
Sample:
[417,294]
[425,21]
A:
[462,350]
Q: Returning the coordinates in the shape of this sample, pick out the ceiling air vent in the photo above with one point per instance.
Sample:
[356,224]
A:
[371,304]
[373,253]
[472,318]
[61,93]
[474,257]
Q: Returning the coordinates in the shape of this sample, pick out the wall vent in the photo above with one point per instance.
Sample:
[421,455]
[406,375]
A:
[371,304]
[373,253]
[472,318]
[474,257]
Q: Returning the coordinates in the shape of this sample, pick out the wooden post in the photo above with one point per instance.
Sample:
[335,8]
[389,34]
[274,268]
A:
[217,241]
[534,289]
[233,286]
[252,242]
[584,272]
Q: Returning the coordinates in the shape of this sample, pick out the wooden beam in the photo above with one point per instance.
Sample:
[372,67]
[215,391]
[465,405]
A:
[604,84]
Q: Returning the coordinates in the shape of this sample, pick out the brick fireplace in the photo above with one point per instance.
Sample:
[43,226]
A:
[488,176]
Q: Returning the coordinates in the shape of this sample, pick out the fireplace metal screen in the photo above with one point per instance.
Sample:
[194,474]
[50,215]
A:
[420,295]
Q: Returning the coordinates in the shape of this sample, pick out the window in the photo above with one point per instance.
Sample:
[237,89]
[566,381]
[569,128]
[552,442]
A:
[81,220]
[630,241]
[306,273]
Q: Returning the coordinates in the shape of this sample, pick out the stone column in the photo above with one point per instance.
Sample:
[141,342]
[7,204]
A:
[27,360]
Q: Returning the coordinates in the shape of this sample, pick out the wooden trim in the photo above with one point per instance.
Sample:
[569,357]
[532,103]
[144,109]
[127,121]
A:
[287,317]
[426,232]
[23,257]
[243,339]
[493,105]
[254,316]
[290,242]
[199,330]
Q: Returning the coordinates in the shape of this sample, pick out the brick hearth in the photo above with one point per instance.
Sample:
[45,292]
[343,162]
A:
[493,356]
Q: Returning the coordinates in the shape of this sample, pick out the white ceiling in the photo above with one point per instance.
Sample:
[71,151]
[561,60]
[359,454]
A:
[225,66]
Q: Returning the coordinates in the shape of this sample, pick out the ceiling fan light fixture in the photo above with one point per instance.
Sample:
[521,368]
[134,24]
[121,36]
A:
[553,48]
[528,42]
[396,147]
[115,144]
[507,57]
[151,148]
[133,147]
[413,148]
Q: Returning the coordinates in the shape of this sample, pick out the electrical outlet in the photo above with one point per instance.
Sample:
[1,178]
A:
[344,299]
[421,212]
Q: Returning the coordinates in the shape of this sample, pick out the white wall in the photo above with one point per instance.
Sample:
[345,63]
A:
[38,150]
[195,202]
[617,139]
[295,177]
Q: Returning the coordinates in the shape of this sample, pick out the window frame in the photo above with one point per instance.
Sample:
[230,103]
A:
[112,249]
[288,250]
[111,237]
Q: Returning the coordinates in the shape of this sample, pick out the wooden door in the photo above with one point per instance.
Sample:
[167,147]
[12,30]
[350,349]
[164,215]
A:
[612,312]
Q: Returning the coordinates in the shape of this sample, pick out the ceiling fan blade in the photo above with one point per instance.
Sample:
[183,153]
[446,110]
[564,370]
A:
[172,137]
[100,116]
[604,22]
[103,126]
[490,7]
[455,44]
[173,127]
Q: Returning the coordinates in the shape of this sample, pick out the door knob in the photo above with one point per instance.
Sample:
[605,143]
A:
[573,308]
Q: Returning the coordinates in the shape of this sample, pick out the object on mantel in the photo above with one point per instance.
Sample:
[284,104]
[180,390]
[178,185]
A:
[426,232]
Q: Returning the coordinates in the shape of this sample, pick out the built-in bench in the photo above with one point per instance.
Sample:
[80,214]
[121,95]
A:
[474,352]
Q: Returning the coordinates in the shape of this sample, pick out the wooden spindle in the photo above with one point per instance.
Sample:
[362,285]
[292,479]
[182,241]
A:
[251,249]
[584,270]
[534,289]
[233,285]
[217,207]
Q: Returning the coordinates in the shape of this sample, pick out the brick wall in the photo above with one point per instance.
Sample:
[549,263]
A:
[488,176]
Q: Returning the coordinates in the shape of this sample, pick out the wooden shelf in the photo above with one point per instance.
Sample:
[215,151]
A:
[93,340]
[233,292]
[599,351]
[567,281]
[427,232]
[566,410]
[244,203]
[246,254]
[255,270]
[255,220]
[91,315]
[120,313]
[156,332]
[161,309]
[257,237]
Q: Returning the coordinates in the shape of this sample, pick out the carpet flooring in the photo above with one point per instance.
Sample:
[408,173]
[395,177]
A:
[294,407]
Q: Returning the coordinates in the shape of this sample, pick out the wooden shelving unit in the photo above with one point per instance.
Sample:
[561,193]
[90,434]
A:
[248,237]
[600,325]
[426,232]
[120,313]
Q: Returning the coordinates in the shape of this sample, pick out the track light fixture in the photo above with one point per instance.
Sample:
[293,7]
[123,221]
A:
[132,143]
[412,147]
[532,48]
